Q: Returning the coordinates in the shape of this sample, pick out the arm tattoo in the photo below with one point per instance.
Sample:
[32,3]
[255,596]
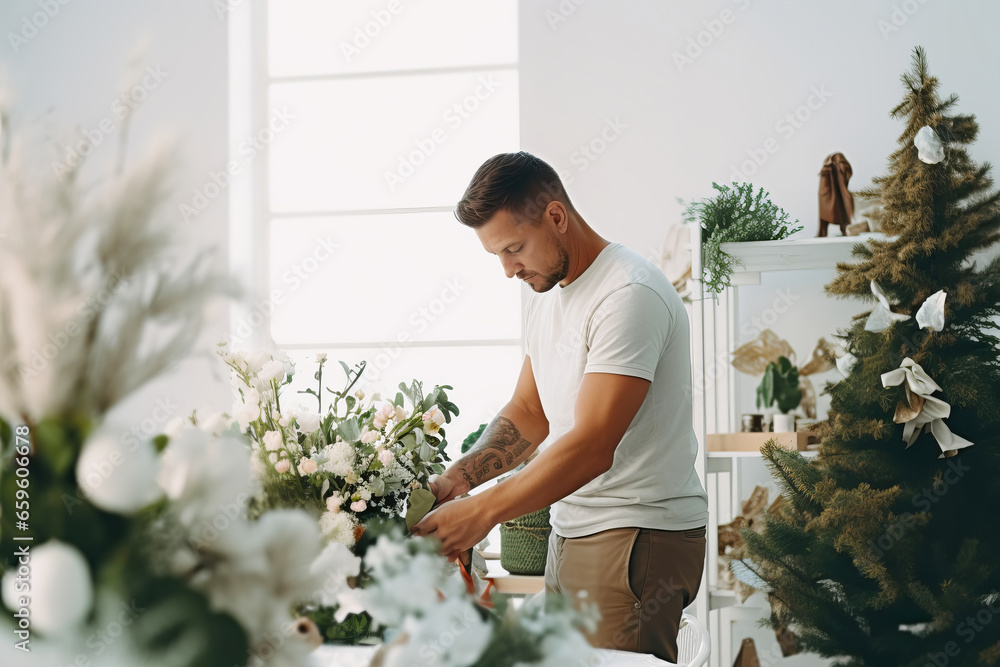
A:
[497,448]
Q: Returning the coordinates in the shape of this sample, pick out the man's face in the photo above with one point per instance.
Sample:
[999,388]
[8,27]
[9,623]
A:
[533,253]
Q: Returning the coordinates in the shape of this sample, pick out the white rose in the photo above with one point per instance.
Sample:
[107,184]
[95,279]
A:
[307,467]
[272,441]
[282,466]
[365,494]
[369,436]
[308,421]
[320,357]
[255,360]
[245,413]
[386,457]
[272,370]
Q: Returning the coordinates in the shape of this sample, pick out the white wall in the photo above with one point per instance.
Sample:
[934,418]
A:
[68,74]
[687,123]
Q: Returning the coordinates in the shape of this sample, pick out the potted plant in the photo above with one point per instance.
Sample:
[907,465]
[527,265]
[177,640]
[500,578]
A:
[780,385]
[735,214]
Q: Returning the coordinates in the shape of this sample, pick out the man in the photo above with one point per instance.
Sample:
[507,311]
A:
[605,383]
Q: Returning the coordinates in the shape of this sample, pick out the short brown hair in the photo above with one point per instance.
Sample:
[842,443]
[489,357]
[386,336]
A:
[518,183]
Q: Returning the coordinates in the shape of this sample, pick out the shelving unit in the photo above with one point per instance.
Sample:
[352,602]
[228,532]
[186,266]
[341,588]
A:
[714,337]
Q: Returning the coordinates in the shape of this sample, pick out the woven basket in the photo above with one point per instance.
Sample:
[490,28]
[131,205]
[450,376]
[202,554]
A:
[524,543]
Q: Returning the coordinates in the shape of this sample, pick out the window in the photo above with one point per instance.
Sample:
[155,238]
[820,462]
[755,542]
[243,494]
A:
[379,113]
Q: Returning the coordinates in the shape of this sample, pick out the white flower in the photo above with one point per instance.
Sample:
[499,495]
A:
[365,494]
[61,590]
[340,459]
[175,427]
[272,370]
[338,527]
[434,415]
[376,397]
[272,441]
[116,478]
[471,634]
[320,357]
[307,467]
[385,412]
[360,394]
[256,359]
[401,414]
[334,566]
[369,436]
[215,423]
[245,413]
[282,466]
[286,418]
[359,506]
[273,457]
[200,472]
[308,421]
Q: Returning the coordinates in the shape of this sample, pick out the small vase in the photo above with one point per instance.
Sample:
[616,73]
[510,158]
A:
[783,423]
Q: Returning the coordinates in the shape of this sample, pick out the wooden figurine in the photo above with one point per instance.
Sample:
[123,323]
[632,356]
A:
[836,203]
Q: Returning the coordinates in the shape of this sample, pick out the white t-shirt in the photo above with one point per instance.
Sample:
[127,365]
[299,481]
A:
[621,316]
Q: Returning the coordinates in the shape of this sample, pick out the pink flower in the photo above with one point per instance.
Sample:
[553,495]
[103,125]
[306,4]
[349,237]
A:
[386,457]
[369,436]
[401,414]
[385,412]
[307,467]
[334,502]
[282,466]
[359,506]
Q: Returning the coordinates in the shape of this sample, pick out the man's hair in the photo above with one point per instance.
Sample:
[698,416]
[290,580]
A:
[518,183]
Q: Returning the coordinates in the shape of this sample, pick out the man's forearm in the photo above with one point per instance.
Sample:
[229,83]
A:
[509,439]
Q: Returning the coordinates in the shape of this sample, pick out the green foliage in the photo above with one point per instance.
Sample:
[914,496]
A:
[780,385]
[882,552]
[735,214]
[471,439]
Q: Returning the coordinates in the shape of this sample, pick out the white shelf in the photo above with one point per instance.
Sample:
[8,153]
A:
[755,257]
[723,461]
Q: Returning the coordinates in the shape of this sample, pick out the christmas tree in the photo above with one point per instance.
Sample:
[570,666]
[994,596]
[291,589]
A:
[887,549]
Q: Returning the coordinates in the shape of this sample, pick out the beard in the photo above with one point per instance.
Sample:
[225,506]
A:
[555,274]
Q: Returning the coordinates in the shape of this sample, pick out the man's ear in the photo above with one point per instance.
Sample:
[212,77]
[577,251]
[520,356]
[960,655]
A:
[557,214]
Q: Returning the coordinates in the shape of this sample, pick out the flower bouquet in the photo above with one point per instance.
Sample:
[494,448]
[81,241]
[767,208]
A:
[356,462]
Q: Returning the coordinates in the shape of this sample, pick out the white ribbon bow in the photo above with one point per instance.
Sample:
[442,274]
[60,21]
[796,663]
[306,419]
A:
[930,314]
[920,409]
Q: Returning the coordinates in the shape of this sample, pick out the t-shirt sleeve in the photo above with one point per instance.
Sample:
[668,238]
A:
[628,332]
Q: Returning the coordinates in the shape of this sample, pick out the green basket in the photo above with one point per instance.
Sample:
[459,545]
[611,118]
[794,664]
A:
[524,543]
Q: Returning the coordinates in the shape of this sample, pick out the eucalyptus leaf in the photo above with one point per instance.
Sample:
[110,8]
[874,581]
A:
[421,502]
[325,488]
[349,430]
[426,451]
[377,486]
[347,369]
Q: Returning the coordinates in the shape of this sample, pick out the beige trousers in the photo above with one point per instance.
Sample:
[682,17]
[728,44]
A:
[641,580]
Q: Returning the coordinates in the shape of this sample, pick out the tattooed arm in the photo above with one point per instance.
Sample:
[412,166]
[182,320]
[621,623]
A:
[508,440]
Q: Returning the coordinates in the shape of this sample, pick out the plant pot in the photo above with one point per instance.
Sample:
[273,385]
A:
[782,423]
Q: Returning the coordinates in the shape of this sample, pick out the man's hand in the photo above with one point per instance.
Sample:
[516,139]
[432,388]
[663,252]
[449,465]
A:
[460,525]
[445,488]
